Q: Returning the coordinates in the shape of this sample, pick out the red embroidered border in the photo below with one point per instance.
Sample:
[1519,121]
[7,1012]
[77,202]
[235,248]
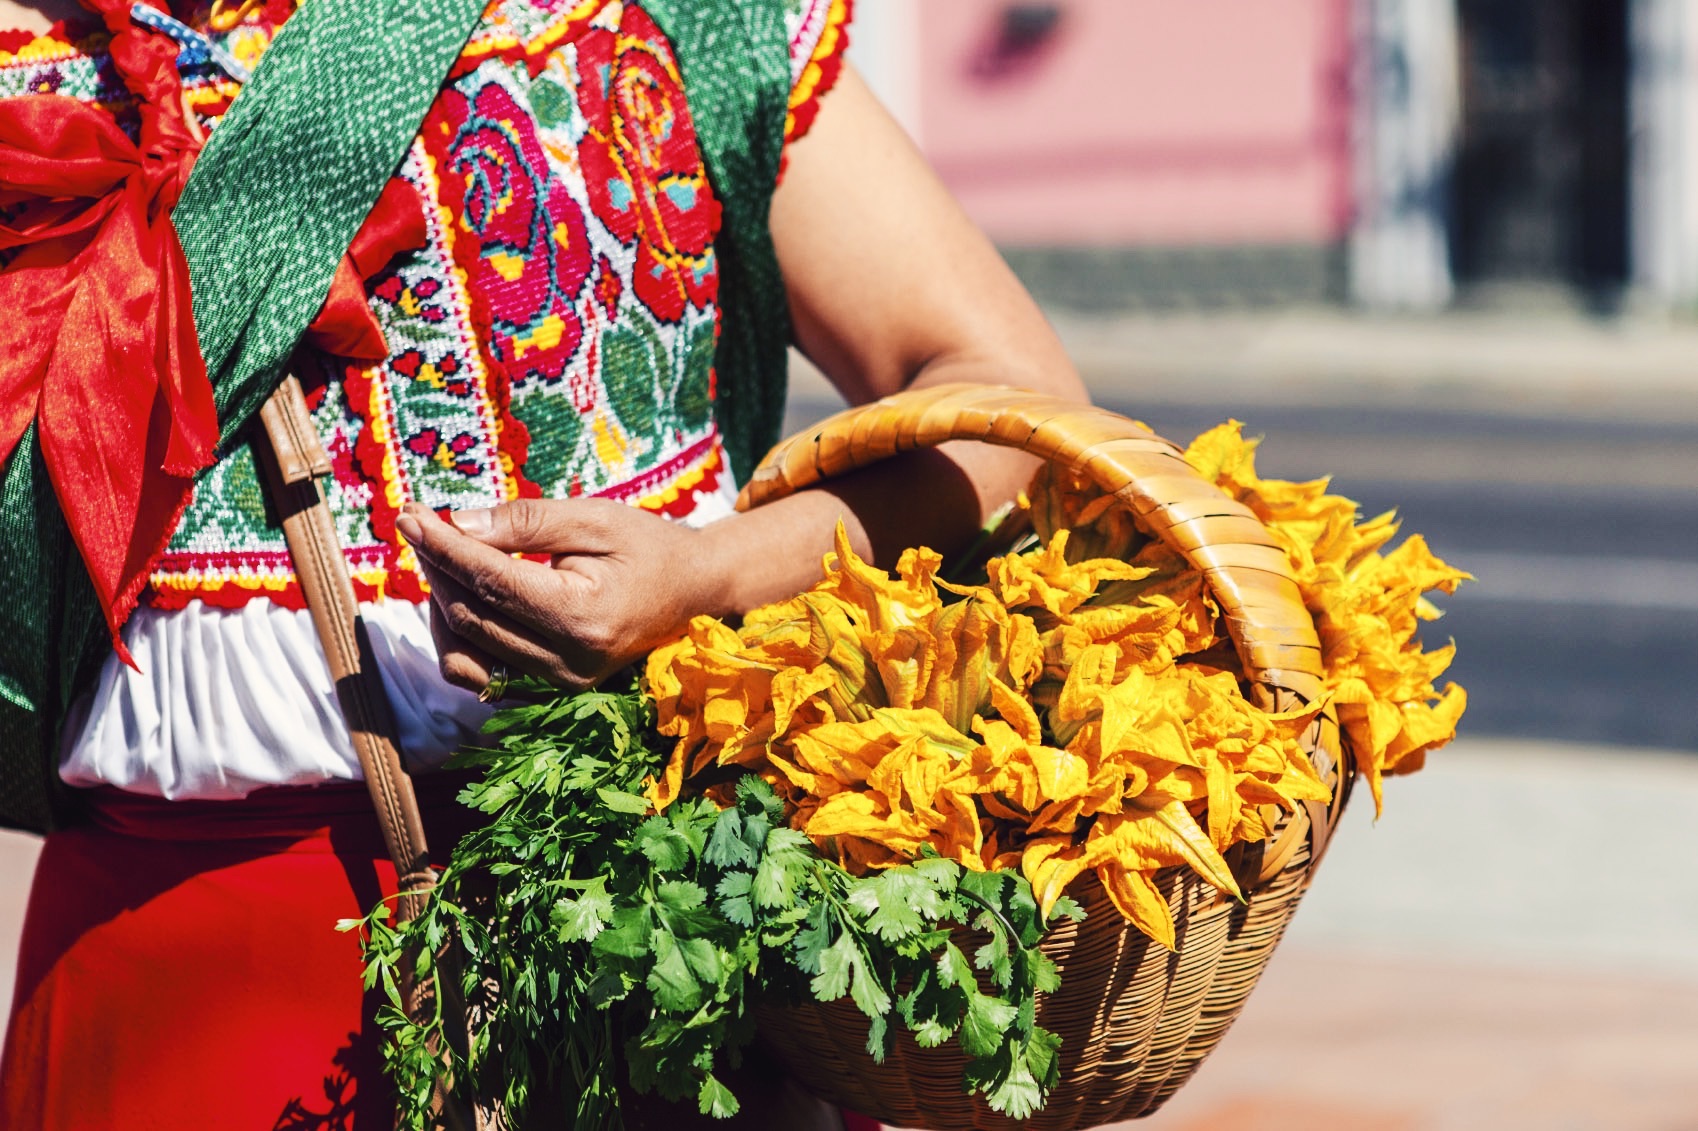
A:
[821,72]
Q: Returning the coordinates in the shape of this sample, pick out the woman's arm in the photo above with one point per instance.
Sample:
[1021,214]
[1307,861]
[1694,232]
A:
[890,287]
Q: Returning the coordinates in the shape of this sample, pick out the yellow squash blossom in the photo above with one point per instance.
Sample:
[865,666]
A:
[1366,607]
[1081,711]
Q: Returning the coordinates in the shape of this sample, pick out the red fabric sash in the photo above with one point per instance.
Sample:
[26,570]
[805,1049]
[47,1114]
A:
[346,327]
[97,342]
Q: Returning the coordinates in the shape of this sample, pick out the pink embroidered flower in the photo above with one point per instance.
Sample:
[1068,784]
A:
[430,444]
[643,167]
[534,249]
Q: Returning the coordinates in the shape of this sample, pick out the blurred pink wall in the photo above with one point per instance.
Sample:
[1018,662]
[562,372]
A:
[1144,121]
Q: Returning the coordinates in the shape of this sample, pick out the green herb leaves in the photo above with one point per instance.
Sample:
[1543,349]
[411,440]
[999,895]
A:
[582,923]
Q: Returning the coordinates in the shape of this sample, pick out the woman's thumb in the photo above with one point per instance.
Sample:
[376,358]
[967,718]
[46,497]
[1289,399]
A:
[519,527]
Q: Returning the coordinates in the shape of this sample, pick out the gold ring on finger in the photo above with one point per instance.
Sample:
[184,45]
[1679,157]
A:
[497,685]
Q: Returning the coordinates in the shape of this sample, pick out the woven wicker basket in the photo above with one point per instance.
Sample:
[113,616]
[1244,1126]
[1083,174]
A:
[1135,1020]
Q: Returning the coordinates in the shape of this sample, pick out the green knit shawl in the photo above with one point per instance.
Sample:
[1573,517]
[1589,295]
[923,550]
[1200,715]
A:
[275,199]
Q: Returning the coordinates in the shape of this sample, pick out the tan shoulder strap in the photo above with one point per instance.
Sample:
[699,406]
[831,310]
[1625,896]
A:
[294,460]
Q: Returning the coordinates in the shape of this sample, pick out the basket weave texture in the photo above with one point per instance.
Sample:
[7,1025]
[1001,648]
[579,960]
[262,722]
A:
[1135,1019]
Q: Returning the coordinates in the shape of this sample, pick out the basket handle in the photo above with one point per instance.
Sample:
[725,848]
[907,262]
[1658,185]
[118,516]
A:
[1245,569]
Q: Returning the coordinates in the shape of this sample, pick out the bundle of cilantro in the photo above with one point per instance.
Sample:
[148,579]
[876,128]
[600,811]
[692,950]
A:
[592,936]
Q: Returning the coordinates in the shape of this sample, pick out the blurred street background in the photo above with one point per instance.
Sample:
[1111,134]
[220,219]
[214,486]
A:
[1447,252]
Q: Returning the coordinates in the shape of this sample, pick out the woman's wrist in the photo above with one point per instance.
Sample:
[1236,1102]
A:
[714,566]
[773,552]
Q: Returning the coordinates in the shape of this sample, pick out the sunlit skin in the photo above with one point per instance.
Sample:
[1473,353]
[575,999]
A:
[37,15]
[890,287]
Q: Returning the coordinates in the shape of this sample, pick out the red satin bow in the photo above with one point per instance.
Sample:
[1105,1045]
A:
[97,341]
[97,337]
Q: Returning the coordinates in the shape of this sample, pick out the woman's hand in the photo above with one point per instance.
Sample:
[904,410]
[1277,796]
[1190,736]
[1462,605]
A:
[895,290]
[618,581]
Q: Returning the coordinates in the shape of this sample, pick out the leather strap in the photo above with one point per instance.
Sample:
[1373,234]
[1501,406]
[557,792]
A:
[293,461]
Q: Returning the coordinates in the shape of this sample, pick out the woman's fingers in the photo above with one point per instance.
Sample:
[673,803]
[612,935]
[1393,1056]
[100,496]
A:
[557,527]
[459,618]
[460,663]
[620,581]
[518,588]
[466,665]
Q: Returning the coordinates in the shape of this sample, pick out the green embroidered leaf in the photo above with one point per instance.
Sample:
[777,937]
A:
[691,398]
[553,104]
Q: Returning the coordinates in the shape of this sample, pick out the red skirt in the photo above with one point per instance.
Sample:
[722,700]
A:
[180,966]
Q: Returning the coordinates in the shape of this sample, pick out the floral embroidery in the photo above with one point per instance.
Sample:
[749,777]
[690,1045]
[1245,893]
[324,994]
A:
[555,336]
[224,551]
[643,168]
[526,31]
[534,252]
[69,60]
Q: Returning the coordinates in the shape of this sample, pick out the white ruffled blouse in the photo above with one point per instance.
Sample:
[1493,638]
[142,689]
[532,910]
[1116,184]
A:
[225,701]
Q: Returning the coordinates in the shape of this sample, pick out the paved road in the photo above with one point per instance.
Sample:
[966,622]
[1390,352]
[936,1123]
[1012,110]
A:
[1582,530]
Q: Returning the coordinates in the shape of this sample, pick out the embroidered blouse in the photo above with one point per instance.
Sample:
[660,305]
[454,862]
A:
[554,338]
